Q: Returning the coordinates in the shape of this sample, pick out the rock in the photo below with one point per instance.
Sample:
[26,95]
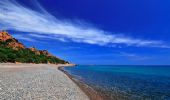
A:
[10,41]
[4,36]
[16,45]
[45,52]
[38,52]
[33,49]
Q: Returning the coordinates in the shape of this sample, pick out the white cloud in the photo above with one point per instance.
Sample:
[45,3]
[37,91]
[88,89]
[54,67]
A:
[15,16]
[48,37]
[17,36]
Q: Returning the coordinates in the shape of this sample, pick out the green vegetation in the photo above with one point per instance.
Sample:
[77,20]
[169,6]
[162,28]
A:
[8,54]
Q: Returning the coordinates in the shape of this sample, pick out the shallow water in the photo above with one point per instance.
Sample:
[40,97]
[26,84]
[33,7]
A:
[126,82]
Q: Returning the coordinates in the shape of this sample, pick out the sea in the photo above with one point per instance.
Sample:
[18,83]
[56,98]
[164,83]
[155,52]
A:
[125,82]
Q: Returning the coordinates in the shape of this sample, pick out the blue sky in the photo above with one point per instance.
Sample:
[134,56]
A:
[93,31]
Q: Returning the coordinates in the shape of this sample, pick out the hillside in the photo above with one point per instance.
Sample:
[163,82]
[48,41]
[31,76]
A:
[11,50]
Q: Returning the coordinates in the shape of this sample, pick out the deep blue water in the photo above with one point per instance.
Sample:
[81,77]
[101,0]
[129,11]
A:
[126,82]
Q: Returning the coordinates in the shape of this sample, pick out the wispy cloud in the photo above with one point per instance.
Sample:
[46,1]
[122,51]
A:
[60,38]
[15,16]
[17,36]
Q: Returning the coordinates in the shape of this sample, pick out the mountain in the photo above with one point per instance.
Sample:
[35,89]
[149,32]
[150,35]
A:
[11,50]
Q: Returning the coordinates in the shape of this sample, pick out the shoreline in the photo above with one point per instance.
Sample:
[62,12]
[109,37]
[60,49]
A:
[89,91]
[37,81]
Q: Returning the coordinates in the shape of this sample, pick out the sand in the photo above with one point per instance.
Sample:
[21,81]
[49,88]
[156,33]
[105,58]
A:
[37,82]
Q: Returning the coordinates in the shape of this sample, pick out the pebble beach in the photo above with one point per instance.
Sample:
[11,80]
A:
[37,82]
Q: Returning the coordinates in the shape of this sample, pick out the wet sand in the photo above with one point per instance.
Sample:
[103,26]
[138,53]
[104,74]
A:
[37,82]
[90,92]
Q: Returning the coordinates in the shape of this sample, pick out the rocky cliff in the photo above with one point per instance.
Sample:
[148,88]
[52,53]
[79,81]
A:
[11,50]
[11,42]
[4,36]
[38,52]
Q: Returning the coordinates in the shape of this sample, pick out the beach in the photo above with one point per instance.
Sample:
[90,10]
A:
[89,91]
[37,82]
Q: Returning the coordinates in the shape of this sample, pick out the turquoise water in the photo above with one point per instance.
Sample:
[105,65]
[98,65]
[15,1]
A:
[126,82]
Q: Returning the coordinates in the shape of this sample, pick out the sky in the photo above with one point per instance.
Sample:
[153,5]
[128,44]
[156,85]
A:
[112,32]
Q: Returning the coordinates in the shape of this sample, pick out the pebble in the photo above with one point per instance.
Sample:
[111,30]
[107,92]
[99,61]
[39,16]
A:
[39,83]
